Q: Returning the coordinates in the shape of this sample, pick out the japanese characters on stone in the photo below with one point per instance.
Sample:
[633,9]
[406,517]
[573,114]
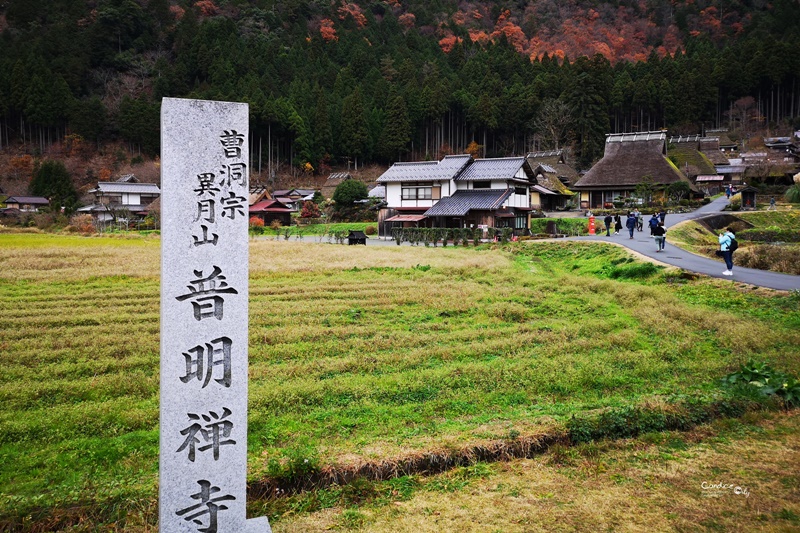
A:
[221,194]
[204,318]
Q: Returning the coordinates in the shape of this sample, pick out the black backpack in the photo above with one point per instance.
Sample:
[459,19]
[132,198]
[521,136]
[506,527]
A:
[734,245]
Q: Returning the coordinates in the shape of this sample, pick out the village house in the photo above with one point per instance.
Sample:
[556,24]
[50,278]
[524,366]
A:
[270,210]
[333,181]
[257,193]
[26,204]
[629,160]
[293,198]
[553,177]
[457,192]
[697,157]
[125,200]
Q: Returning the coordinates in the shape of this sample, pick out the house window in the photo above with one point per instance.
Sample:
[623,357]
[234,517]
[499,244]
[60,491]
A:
[520,222]
[481,184]
[111,199]
[417,193]
[521,191]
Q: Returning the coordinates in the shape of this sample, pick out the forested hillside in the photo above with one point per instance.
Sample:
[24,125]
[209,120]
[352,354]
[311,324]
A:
[335,82]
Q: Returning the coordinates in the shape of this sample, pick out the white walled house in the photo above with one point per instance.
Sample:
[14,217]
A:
[458,192]
[126,198]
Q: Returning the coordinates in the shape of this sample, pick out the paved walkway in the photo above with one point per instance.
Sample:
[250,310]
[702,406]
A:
[644,244]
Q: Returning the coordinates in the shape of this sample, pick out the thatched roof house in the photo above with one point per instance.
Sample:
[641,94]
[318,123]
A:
[629,160]
[710,147]
[685,152]
[333,181]
[554,168]
[553,177]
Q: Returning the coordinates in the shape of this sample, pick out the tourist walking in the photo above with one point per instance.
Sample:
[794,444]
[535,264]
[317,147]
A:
[772,204]
[662,215]
[726,247]
[653,222]
[638,215]
[659,234]
[630,223]
[617,224]
[607,221]
[728,192]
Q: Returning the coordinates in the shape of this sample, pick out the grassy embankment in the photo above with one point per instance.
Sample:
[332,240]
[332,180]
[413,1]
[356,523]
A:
[784,258]
[362,360]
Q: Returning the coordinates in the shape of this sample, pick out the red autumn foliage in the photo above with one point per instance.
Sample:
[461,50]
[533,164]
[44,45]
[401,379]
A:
[479,36]
[327,31]
[310,210]
[459,18]
[407,20]
[354,10]
[207,8]
[514,34]
[447,43]
[22,166]
[177,11]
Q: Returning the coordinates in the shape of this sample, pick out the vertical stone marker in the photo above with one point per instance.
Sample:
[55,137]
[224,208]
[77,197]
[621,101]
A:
[204,291]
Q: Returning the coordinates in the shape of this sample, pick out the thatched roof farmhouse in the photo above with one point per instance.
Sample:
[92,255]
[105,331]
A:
[629,160]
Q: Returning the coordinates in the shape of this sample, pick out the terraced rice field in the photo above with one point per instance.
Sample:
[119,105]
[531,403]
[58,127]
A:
[358,357]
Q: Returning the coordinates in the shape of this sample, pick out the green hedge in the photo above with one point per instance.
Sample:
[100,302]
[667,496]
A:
[565,226]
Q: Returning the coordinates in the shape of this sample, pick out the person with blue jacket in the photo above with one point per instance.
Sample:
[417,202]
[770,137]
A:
[631,224]
[725,247]
[653,222]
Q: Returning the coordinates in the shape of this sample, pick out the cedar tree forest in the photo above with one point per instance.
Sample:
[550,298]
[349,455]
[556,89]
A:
[333,83]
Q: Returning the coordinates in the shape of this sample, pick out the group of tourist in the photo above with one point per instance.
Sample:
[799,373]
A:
[634,221]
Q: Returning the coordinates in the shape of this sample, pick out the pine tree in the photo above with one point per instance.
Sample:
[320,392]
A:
[354,135]
[51,180]
[396,133]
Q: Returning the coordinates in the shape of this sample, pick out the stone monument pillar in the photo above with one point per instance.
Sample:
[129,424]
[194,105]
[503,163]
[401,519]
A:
[204,319]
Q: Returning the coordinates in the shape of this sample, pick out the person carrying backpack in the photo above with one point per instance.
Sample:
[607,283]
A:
[728,245]
[653,222]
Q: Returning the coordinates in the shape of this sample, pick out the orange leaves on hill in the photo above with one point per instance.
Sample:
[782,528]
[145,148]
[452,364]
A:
[207,8]
[177,11]
[21,166]
[354,10]
[479,36]
[565,29]
[393,3]
[447,43]
[327,31]
[407,20]
[516,37]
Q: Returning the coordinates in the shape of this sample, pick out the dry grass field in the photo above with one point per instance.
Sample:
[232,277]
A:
[390,363]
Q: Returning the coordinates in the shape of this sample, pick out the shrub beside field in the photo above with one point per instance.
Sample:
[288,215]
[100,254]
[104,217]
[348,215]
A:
[380,357]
